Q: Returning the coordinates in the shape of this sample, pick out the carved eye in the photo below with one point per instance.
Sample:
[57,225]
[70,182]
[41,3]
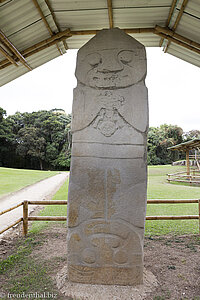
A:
[94,59]
[125,56]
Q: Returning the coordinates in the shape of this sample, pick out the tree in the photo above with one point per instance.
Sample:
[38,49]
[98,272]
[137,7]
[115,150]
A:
[159,139]
[31,143]
[63,159]
[6,139]
[190,135]
[44,135]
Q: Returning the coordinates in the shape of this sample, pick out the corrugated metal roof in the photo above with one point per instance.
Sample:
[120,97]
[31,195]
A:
[189,24]
[21,22]
[36,60]
[193,144]
[184,54]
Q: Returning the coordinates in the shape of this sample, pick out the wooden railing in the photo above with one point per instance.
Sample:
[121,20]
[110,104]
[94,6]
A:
[193,156]
[184,177]
[27,218]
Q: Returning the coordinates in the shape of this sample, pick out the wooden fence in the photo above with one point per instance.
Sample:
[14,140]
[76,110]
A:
[193,178]
[27,218]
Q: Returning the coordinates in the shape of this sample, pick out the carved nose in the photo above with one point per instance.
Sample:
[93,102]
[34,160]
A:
[109,65]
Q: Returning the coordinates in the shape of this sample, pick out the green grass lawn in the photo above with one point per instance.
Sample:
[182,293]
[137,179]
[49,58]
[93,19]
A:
[158,188]
[12,180]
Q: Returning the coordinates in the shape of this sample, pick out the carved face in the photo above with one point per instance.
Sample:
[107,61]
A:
[111,60]
[111,68]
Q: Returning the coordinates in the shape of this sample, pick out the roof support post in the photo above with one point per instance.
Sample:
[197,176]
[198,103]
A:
[187,161]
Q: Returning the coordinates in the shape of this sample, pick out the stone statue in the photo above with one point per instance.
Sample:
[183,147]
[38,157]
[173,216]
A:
[108,179]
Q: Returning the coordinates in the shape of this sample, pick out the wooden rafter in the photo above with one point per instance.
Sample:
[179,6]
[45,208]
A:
[6,47]
[55,21]
[173,5]
[110,13]
[14,50]
[171,12]
[177,36]
[127,30]
[59,37]
[45,22]
[177,20]
[180,14]
[178,42]
[63,35]
[7,55]
[139,30]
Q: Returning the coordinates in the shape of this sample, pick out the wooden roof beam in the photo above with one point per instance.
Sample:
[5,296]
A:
[173,5]
[63,35]
[177,36]
[180,14]
[178,42]
[127,30]
[7,55]
[59,37]
[45,22]
[110,13]
[55,21]
[14,50]
[28,52]
[177,20]
[6,47]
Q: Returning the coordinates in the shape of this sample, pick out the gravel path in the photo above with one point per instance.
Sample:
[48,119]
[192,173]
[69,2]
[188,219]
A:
[41,190]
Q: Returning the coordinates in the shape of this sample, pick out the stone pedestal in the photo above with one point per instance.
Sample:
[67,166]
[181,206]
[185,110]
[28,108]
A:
[107,191]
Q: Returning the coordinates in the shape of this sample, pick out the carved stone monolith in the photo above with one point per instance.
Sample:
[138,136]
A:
[108,179]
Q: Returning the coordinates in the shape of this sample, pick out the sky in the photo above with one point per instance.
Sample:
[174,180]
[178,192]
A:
[173,89]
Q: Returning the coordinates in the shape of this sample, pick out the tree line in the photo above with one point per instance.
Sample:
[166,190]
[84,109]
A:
[161,138]
[37,140]
[42,140]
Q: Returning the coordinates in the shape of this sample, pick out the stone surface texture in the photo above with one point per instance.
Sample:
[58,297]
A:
[108,179]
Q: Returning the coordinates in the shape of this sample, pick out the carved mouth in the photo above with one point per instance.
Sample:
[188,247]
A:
[109,79]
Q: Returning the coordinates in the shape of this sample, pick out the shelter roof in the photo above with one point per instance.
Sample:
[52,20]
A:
[33,32]
[193,144]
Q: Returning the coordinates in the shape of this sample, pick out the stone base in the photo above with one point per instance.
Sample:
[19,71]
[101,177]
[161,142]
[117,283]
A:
[106,275]
[108,292]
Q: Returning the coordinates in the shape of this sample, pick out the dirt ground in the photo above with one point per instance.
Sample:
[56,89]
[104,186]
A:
[174,260]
